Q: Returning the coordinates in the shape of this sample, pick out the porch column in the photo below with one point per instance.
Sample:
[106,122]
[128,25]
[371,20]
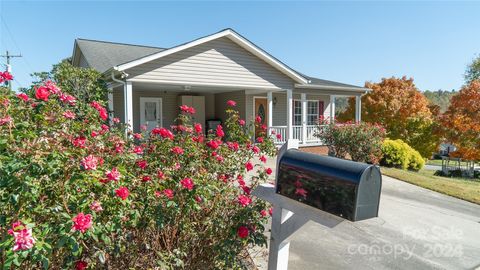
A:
[128,104]
[303,98]
[332,108]
[289,114]
[270,112]
[358,109]
[110,105]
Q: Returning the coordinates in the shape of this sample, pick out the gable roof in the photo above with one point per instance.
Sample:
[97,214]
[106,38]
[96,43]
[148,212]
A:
[232,35]
[321,83]
[103,55]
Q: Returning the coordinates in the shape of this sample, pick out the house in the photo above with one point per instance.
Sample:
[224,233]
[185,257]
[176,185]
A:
[148,83]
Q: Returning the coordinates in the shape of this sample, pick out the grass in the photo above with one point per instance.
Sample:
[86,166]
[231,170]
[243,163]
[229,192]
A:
[439,162]
[465,189]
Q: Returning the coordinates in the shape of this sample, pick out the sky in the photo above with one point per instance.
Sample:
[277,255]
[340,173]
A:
[349,42]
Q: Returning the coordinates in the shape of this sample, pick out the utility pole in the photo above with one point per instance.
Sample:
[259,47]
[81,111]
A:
[7,55]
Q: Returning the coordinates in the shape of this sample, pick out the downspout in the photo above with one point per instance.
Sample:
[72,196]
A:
[125,101]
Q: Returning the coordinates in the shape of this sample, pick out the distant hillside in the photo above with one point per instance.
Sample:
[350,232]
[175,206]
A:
[440,98]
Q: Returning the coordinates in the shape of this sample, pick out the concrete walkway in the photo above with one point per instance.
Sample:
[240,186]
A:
[416,229]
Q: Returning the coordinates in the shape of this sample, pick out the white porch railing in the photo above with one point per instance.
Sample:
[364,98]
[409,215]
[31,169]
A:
[297,134]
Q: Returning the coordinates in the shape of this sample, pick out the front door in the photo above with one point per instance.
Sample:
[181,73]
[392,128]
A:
[261,110]
[150,112]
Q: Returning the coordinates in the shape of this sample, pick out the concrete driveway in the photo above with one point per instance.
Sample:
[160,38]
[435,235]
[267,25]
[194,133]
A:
[416,229]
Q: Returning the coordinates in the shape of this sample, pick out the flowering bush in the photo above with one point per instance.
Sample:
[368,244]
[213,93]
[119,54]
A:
[76,193]
[361,141]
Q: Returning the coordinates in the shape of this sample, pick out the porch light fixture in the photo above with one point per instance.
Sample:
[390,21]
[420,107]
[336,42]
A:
[274,101]
[187,88]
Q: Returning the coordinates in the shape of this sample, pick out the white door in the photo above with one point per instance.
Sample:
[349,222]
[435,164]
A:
[150,112]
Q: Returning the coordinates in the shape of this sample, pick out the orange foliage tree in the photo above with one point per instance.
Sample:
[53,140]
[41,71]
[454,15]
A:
[461,122]
[402,109]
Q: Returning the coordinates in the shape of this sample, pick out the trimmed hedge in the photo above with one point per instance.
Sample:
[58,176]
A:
[398,154]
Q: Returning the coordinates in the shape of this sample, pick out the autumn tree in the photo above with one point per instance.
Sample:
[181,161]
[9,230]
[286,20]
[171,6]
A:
[402,109]
[461,121]
[473,71]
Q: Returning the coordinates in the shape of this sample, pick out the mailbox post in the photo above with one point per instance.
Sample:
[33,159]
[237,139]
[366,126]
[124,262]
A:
[325,190]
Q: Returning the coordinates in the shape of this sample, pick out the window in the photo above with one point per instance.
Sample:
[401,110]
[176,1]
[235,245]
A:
[313,109]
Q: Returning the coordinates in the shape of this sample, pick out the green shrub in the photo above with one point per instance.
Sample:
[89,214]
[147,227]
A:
[398,154]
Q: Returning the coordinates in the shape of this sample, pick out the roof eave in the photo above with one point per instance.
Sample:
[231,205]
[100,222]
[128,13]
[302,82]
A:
[327,87]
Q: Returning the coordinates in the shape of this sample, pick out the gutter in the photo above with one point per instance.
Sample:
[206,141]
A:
[324,87]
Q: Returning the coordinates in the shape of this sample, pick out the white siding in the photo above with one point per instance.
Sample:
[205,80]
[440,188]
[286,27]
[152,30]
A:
[218,62]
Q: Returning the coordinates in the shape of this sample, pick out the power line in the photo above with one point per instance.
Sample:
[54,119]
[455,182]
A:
[9,67]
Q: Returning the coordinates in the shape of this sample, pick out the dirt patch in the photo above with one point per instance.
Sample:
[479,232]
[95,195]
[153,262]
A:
[319,150]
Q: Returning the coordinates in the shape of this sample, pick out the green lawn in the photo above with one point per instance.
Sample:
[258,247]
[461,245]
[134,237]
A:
[465,189]
[439,162]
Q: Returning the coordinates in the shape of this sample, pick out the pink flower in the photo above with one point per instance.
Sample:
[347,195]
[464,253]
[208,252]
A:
[241,122]
[23,239]
[187,183]
[255,149]
[177,150]
[89,162]
[137,136]
[279,136]
[142,164]
[270,211]
[122,192]
[260,139]
[263,213]
[42,93]
[113,174]
[116,120]
[96,206]
[186,109]
[52,87]
[168,193]
[160,175]
[163,132]
[69,115]
[263,159]
[242,232]
[198,199]
[82,222]
[244,200]
[143,127]
[65,98]
[94,133]
[7,119]
[231,103]
[268,171]
[81,265]
[220,132]
[79,142]
[198,128]
[104,127]
[23,96]
[249,166]
[301,192]
[138,150]
[258,119]
[234,146]
[103,114]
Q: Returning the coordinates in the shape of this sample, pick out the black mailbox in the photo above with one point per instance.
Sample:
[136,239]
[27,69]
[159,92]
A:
[344,188]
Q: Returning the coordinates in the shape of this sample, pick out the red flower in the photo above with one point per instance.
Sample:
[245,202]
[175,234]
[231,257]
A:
[160,175]
[177,150]
[122,192]
[79,142]
[279,136]
[42,93]
[137,136]
[249,166]
[241,122]
[244,200]
[234,146]
[258,119]
[82,222]
[89,162]
[146,178]
[198,128]
[255,149]
[168,193]
[186,109]
[242,232]
[220,132]
[213,144]
[52,87]
[67,99]
[163,132]
[231,103]
[23,96]
[138,150]
[113,175]
[7,119]
[263,159]
[301,192]
[103,114]
[268,171]
[187,183]
[81,265]
[260,139]
[6,76]
[198,199]
[270,211]
[142,164]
